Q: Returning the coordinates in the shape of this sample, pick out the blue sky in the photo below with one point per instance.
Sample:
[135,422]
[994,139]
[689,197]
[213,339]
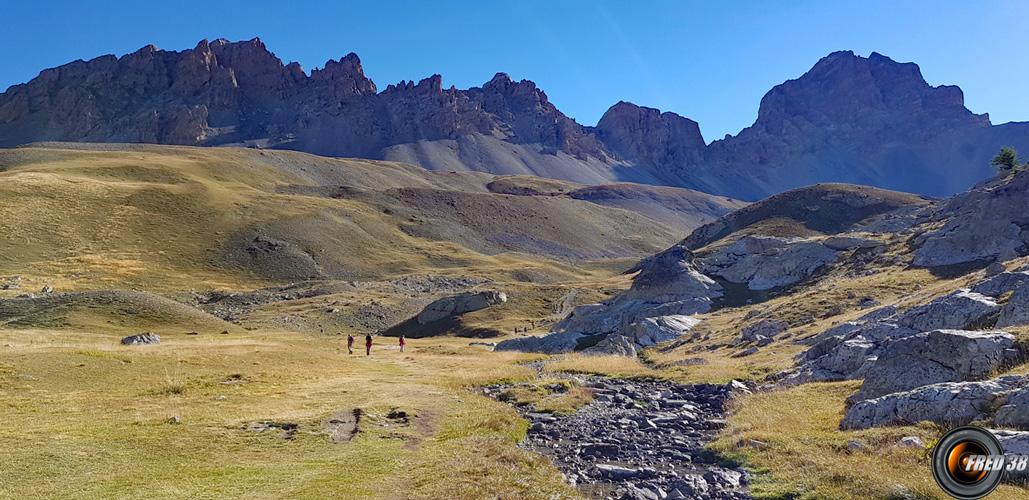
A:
[710,61]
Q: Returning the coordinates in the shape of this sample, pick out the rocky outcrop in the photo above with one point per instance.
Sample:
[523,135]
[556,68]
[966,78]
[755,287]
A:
[552,343]
[987,223]
[1014,412]
[1014,443]
[225,92]
[668,284]
[845,242]
[457,305]
[765,262]
[145,338]
[762,330]
[849,119]
[646,136]
[948,404]
[847,350]
[652,331]
[1016,310]
[937,356]
[665,291]
[962,309]
[864,120]
[1001,283]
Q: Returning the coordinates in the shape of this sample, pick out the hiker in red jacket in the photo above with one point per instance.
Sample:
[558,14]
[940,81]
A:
[368,345]
[350,343]
[403,342]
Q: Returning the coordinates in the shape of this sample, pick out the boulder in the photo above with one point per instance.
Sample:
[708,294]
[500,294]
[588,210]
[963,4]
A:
[552,343]
[1016,311]
[949,404]
[979,225]
[145,338]
[457,305]
[766,262]
[1002,283]
[994,268]
[613,344]
[934,357]
[650,331]
[1014,443]
[746,352]
[1014,412]
[766,328]
[671,276]
[862,340]
[962,309]
[616,472]
[846,351]
[868,302]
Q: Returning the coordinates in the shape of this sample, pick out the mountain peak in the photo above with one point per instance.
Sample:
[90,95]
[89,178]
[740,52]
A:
[648,136]
[844,88]
[499,82]
[347,74]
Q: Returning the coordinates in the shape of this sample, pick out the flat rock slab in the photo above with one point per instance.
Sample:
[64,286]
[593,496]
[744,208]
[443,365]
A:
[287,429]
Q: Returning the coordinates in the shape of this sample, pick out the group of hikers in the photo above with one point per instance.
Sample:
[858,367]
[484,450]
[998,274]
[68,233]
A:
[368,344]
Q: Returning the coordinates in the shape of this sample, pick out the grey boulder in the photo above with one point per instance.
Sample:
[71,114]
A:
[145,338]
[948,403]
[1016,311]
[962,309]
[457,305]
[552,343]
[651,331]
[766,328]
[766,262]
[934,357]
[1014,412]
[1014,443]
[1002,283]
[980,225]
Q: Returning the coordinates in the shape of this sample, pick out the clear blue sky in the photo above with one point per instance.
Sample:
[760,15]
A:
[710,61]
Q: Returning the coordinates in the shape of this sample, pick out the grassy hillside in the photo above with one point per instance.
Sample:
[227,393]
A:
[172,218]
[87,418]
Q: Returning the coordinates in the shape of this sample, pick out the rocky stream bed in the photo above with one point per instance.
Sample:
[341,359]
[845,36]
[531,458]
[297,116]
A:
[639,439]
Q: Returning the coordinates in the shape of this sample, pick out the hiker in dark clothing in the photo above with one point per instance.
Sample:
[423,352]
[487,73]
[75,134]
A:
[350,343]
[368,345]
[403,342]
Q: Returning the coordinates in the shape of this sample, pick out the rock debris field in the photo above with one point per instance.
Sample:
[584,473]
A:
[639,440]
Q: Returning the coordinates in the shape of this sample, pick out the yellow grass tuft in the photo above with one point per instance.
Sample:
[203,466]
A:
[791,439]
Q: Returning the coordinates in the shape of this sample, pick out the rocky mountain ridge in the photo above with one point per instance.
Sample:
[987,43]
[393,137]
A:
[849,119]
